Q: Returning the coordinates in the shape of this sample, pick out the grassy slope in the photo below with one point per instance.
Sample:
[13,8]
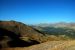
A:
[50,45]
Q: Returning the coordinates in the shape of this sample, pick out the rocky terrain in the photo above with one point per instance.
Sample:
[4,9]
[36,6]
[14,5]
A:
[17,34]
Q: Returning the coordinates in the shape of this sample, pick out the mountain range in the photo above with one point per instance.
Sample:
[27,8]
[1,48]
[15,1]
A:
[59,24]
[59,29]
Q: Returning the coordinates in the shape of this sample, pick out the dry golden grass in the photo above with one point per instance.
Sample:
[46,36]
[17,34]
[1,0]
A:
[50,45]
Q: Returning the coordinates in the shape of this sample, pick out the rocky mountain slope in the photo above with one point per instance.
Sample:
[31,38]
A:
[17,34]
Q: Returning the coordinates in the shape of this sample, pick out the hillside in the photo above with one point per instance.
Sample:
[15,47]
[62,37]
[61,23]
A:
[17,34]
[50,45]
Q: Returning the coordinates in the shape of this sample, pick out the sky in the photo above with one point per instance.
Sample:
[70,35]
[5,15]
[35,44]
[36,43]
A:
[38,11]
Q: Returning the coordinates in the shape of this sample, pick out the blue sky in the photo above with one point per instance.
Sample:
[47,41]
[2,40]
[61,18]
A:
[38,11]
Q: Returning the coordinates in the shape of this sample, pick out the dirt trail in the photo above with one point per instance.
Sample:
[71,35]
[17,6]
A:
[51,45]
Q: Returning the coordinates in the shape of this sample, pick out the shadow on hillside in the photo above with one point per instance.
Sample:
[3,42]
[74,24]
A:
[15,40]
